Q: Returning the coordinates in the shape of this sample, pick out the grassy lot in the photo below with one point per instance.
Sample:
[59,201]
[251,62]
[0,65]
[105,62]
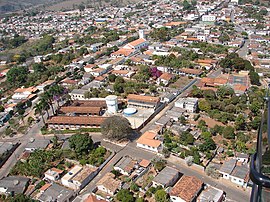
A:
[181,82]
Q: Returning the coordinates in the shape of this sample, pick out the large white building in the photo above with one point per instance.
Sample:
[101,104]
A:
[189,104]
[208,18]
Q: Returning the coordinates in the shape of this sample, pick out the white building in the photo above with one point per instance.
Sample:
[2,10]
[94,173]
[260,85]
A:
[190,104]
[149,141]
[66,180]
[53,174]
[78,177]
[208,18]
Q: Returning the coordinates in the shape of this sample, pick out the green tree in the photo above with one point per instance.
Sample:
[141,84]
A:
[19,198]
[187,6]
[182,120]
[2,108]
[240,122]
[209,94]
[196,92]
[204,105]
[116,128]
[125,195]
[17,76]
[81,143]
[162,196]
[134,187]
[254,78]
[228,132]
[158,163]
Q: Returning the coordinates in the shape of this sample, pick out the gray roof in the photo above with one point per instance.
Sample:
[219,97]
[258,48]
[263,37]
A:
[240,172]
[177,109]
[16,184]
[124,162]
[228,166]
[78,91]
[174,114]
[163,120]
[210,194]
[5,146]
[166,175]
[57,193]
[93,84]
[38,144]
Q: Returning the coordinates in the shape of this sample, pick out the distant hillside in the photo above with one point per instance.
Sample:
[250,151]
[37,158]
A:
[8,6]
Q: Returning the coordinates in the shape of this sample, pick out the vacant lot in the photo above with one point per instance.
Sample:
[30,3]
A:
[181,82]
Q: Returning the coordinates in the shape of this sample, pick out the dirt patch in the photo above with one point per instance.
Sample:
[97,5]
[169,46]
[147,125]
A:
[181,82]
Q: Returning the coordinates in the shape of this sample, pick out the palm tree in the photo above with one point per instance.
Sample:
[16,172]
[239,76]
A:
[56,91]
[39,110]
[48,98]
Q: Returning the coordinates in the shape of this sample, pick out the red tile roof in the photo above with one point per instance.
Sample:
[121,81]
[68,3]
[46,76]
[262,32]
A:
[166,76]
[137,42]
[81,110]
[187,188]
[148,138]
[143,98]
[75,120]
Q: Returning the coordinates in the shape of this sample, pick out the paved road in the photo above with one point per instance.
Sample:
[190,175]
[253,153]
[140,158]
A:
[233,192]
[33,132]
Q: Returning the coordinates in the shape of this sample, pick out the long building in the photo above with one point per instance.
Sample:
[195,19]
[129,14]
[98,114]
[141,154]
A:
[143,101]
[75,122]
[84,111]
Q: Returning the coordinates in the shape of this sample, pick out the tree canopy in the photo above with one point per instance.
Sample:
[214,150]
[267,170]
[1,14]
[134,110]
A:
[161,196]
[116,128]
[125,195]
[81,143]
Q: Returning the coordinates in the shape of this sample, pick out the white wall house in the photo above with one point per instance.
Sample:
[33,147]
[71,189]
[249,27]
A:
[189,104]
[208,18]
[148,141]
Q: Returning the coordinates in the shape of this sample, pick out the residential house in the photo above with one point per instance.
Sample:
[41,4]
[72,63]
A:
[24,93]
[53,174]
[56,192]
[165,78]
[108,184]
[96,47]
[189,104]
[241,157]
[240,175]
[212,194]
[14,184]
[36,144]
[186,189]
[123,52]
[45,85]
[93,198]
[89,67]
[227,168]
[189,72]
[125,165]
[78,94]
[167,177]
[163,121]
[123,73]
[148,141]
